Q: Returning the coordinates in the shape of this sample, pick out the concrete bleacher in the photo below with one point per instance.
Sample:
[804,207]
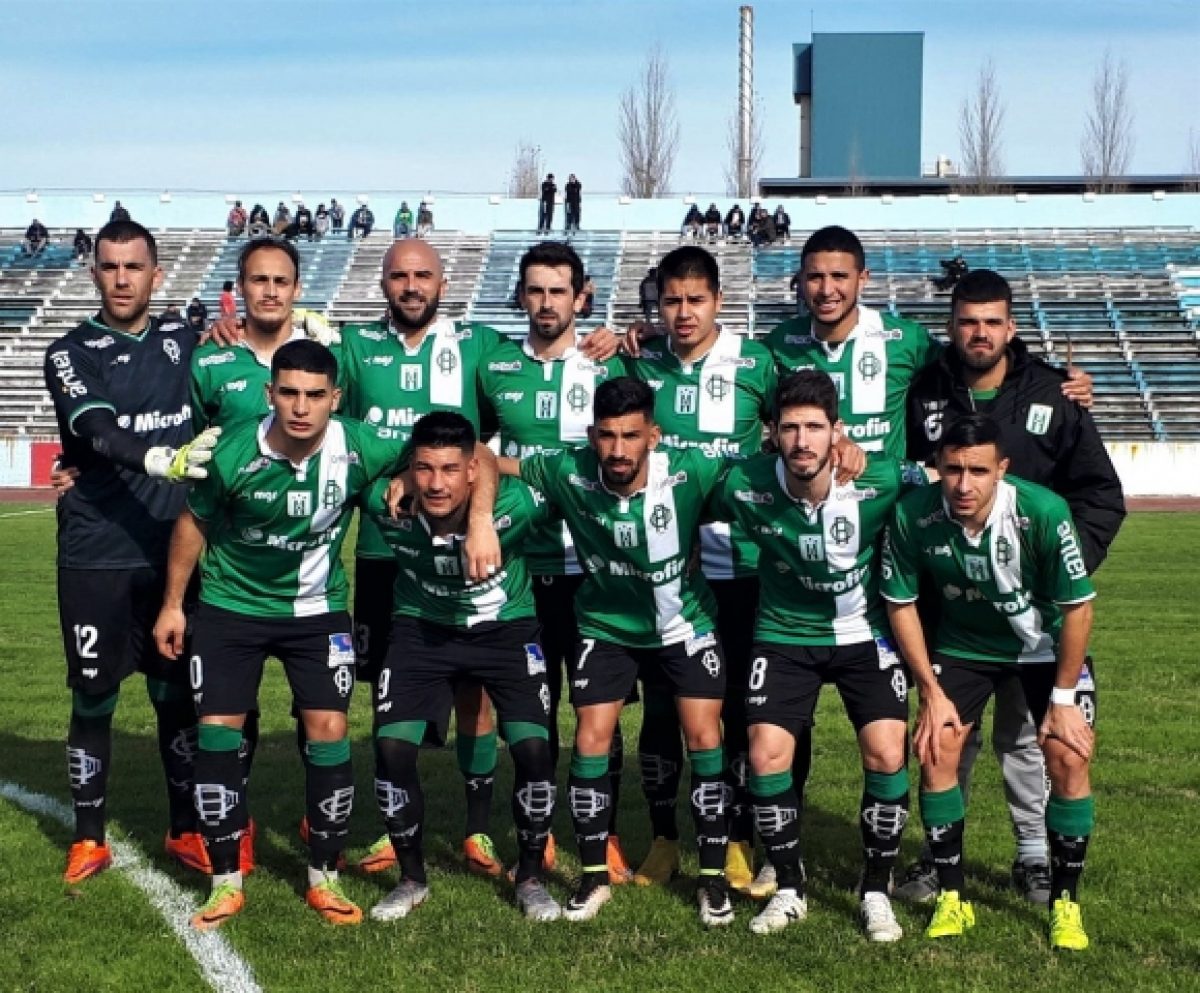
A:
[1122,303]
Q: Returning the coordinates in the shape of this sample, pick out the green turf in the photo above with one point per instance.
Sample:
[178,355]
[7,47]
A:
[1139,891]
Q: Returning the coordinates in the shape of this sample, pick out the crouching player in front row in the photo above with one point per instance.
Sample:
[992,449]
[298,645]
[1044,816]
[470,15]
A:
[1015,603]
[446,631]
[271,518]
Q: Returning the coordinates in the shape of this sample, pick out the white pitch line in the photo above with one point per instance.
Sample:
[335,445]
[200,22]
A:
[222,968]
[26,513]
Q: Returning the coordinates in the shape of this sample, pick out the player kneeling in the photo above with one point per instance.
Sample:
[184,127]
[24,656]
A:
[273,513]
[1015,603]
[446,631]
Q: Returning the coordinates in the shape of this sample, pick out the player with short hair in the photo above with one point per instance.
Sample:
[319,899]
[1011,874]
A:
[271,518]
[445,630]
[1015,605]
[119,382]
[633,511]
[540,390]
[713,392]
[1048,440]
[820,620]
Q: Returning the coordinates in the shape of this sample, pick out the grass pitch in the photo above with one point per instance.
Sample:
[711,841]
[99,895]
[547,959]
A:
[1139,893]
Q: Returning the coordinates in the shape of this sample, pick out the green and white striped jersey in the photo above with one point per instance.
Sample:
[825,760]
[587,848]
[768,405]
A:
[431,582]
[818,570]
[543,407]
[1001,590]
[275,529]
[872,369]
[229,383]
[390,387]
[717,406]
[634,550]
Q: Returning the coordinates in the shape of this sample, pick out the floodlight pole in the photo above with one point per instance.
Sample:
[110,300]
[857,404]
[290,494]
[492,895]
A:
[745,99]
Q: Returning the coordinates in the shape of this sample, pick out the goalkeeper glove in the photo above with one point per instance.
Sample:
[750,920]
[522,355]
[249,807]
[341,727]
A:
[177,465]
[317,328]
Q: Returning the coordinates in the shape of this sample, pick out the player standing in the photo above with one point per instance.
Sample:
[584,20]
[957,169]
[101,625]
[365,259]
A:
[1005,562]
[119,382]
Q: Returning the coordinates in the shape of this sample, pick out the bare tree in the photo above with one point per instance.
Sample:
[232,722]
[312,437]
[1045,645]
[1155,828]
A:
[981,131]
[648,129]
[1193,159]
[855,186]
[526,176]
[732,146]
[1107,143]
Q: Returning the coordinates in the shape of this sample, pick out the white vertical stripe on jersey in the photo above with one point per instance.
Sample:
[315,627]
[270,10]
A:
[333,468]
[840,520]
[445,376]
[868,393]
[1038,646]
[718,406]
[661,542]
[573,422]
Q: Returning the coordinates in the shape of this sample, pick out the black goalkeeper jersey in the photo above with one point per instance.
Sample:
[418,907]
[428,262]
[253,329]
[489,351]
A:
[116,518]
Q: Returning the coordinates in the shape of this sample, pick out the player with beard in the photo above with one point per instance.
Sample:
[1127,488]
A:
[643,613]
[820,620]
[1050,441]
[119,383]
[541,390]
[393,372]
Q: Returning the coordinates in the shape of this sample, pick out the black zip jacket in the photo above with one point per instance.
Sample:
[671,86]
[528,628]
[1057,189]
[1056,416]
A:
[1049,439]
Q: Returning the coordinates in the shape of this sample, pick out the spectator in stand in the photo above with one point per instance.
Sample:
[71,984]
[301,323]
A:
[546,204]
[36,238]
[337,215]
[761,227]
[235,223]
[171,317]
[783,224]
[259,223]
[574,204]
[797,286]
[321,222]
[712,222]
[197,316]
[648,294]
[119,213]
[228,300]
[304,224]
[83,245]
[361,222]
[735,222]
[589,296]
[424,220]
[692,223]
[283,219]
[403,222]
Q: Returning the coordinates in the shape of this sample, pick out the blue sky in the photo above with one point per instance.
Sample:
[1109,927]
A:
[400,95]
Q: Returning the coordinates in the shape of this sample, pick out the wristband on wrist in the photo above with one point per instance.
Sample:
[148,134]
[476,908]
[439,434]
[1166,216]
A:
[1062,698]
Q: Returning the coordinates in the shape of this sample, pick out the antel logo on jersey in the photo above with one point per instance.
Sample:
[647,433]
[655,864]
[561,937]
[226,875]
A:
[156,420]
[255,465]
[798,339]
[65,373]
[584,484]
[504,367]
[221,358]
[753,496]
[104,342]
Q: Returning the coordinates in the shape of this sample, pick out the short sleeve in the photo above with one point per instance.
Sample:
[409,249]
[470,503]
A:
[899,567]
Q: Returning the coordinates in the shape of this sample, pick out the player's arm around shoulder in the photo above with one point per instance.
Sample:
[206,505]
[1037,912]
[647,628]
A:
[520,511]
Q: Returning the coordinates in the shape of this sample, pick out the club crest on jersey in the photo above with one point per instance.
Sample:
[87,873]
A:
[625,534]
[869,366]
[412,378]
[299,504]
[332,497]
[977,568]
[812,548]
[841,531]
[578,397]
[718,388]
[660,518]
[1039,418]
[545,405]
[171,348]
[446,362]
[1004,551]
[446,565]
[686,399]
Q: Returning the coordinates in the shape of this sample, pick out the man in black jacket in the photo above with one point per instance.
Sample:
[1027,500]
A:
[1049,440]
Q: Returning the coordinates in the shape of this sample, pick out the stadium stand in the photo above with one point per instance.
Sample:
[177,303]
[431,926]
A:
[1124,303]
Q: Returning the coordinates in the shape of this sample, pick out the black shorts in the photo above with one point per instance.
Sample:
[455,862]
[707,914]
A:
[555,599]
[374,583]
[604,672]
[784,681]
[427,662]
[107,618]
[970,685]
[229,651]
